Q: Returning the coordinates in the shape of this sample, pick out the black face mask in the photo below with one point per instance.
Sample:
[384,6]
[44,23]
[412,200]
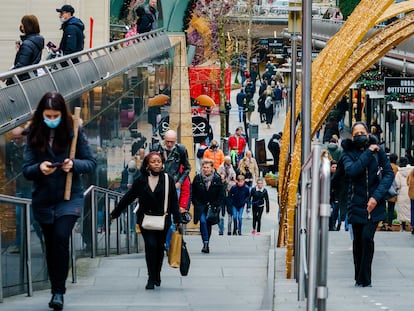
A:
[360,141]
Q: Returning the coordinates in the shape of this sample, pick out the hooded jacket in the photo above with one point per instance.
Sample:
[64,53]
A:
[73,37]
[362,166]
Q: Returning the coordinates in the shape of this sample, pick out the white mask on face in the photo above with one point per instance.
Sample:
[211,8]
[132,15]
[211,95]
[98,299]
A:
[62,20]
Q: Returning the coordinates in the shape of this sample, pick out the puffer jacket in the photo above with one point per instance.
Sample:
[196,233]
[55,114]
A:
[362,166]
[30,51]
[73,37]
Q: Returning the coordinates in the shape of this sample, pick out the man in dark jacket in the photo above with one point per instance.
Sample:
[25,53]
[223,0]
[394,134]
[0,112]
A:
[73,38]
[173,156]
[370,175]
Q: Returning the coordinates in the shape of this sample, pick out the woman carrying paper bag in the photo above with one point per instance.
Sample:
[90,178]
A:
[156,197]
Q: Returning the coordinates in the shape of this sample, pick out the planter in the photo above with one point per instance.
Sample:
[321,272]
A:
[271,181]
[396,227]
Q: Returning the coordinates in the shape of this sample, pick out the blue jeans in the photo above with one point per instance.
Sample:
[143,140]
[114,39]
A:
[237,218]
[240,113]
[205,228]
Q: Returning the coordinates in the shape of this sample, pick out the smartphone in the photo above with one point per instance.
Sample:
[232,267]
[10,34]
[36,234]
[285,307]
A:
[50,45]
[56,164]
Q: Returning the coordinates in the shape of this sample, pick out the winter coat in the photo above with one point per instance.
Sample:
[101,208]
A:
[144,23]
[403,201]
[73,37]
[48,191]
[362,167]
[260,198]
[239,196]
[151,202]
[173,160]
[334,151]
[228,174]
[216,155]
[395,170]
[232,143]
[410,183]
[30,51]
[201,197]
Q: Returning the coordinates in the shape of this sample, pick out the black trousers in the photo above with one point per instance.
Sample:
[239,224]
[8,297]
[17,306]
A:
[363,251]
[257,217]
[154,252]
[57,237]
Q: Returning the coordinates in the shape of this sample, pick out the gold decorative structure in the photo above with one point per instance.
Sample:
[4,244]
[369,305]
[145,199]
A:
[332,74]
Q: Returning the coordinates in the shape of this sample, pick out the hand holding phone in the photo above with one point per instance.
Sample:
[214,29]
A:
[51,45]
[56,164]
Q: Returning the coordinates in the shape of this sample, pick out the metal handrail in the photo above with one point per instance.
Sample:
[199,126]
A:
[74,74]
[313,229]
[27,247]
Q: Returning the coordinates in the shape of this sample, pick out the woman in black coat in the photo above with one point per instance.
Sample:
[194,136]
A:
[207,190]
[46,163]
[149,188]
[144,21]
[364,161]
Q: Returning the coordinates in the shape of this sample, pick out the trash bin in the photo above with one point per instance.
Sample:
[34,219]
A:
[253,134]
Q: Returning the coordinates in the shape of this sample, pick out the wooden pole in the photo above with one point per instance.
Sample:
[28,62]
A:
[72,152]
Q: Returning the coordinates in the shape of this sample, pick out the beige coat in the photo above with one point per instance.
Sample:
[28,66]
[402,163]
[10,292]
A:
[410,183]
[403,202]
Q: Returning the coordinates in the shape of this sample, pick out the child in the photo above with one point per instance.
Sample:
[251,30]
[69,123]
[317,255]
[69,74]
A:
[259,197]
[239,195]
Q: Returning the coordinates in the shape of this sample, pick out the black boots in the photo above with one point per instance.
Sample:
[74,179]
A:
[56,303]
[205,248]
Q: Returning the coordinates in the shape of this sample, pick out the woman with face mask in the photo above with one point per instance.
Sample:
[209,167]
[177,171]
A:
[30,46]
[370,176]
[46,163]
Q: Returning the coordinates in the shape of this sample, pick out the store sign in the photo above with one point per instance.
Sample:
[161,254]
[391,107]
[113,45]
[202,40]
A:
[398,85]
[200,126]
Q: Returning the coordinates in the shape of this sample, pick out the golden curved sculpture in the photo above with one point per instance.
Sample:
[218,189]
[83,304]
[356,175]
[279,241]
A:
[332,74]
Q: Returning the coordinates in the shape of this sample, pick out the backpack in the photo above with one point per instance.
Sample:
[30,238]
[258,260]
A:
[268,102]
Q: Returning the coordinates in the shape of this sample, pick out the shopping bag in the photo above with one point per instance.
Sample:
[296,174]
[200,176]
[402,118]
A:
[185,259]
[174,252]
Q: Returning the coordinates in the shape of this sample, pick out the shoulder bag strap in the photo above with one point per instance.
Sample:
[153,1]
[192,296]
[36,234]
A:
[167,184]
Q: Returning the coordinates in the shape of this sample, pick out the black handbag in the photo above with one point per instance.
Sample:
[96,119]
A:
[185,259]
[213,215]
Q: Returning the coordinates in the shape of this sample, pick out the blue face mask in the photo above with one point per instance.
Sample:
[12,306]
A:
[52,123]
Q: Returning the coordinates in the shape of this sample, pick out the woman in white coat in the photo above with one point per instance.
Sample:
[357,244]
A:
[403,201]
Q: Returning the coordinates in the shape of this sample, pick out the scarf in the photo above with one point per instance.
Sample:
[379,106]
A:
[207,179]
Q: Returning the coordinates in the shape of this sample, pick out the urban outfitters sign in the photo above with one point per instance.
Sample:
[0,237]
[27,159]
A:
[398,86]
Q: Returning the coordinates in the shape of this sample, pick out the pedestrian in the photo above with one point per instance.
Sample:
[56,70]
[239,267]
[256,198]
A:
[237,142]
[337,15]
[239,195]
[334,218]
[150,190]
[174,155]
[250,170]
[259,198]
[274,148]
[144,20]
[207,191]
[151,9]
[29,47]
[214,153]
[404,206]
[410,183]
[14,166]
[228,178]
[46,163]
[363,160]
[240,100]
[73,37]
[269,106]
[391,202]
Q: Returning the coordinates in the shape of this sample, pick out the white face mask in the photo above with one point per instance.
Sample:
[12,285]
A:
[62,20]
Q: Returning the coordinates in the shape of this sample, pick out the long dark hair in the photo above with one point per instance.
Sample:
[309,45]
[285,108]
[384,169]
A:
[39,132]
